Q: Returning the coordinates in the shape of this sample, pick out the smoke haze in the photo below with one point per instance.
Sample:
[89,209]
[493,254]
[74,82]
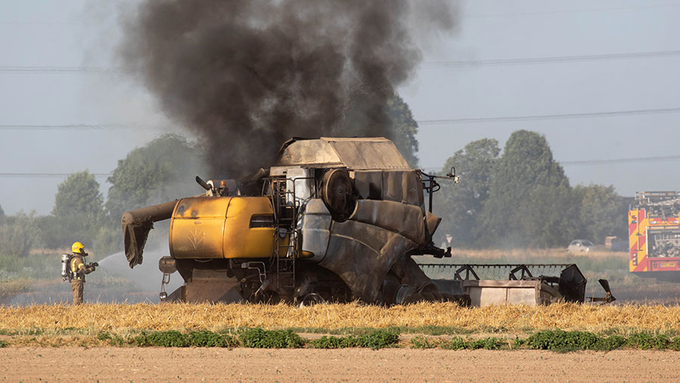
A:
[112,282]
[246,75]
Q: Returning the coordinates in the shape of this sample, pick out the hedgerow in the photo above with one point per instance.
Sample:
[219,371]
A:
[458,343]
[559,340]
[375,340]
[259,338]
[552,340]
[171,338]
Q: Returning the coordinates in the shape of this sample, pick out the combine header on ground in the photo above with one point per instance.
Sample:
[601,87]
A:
[654,232]
[529,284]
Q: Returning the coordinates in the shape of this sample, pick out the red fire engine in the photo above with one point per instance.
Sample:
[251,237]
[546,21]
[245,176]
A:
[654,230]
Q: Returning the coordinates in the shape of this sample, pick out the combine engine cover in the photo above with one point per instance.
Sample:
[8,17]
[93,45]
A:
[654,229]
[222,228]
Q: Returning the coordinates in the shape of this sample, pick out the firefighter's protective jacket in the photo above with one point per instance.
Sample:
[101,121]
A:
[78,268]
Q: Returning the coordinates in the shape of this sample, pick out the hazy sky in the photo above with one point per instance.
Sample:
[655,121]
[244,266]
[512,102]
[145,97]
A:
[536,58]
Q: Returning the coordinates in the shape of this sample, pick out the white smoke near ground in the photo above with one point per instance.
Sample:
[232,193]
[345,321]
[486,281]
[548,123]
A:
[147,276]
[112,282]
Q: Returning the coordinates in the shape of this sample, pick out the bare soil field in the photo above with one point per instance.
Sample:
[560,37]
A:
[106,364]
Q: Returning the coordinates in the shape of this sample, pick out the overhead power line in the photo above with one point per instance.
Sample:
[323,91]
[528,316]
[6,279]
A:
[476,120]
[600,162]
[451,121]
[432,168]
[563,11]
[67,126]
[42,175]
[57,69]
[621,160]
[427,64]
[45,22]
[538,60]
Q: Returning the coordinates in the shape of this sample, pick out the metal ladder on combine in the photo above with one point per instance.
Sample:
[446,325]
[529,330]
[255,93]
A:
[285,249]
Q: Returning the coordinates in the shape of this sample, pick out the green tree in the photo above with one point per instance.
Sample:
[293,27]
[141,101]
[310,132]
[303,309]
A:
[403,129]
[77,214]
[530,201]
[79,196]
[548,218]
[160,171]
[460,206]
[600,209]
[19,234]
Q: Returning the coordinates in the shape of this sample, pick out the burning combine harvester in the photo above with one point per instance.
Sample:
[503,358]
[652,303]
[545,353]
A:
[334,219]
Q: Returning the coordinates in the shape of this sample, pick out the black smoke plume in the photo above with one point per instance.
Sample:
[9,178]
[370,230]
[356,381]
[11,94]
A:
[245,75]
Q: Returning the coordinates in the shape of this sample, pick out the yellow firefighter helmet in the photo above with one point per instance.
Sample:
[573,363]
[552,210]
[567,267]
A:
[78,248]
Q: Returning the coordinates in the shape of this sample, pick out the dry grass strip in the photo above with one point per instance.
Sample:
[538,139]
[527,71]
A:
[335,316]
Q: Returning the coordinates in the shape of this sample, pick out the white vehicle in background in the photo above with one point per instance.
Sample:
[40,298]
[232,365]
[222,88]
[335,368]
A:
[580,246]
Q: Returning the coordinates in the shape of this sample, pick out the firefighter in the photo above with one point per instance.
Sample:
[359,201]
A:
[78,270]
